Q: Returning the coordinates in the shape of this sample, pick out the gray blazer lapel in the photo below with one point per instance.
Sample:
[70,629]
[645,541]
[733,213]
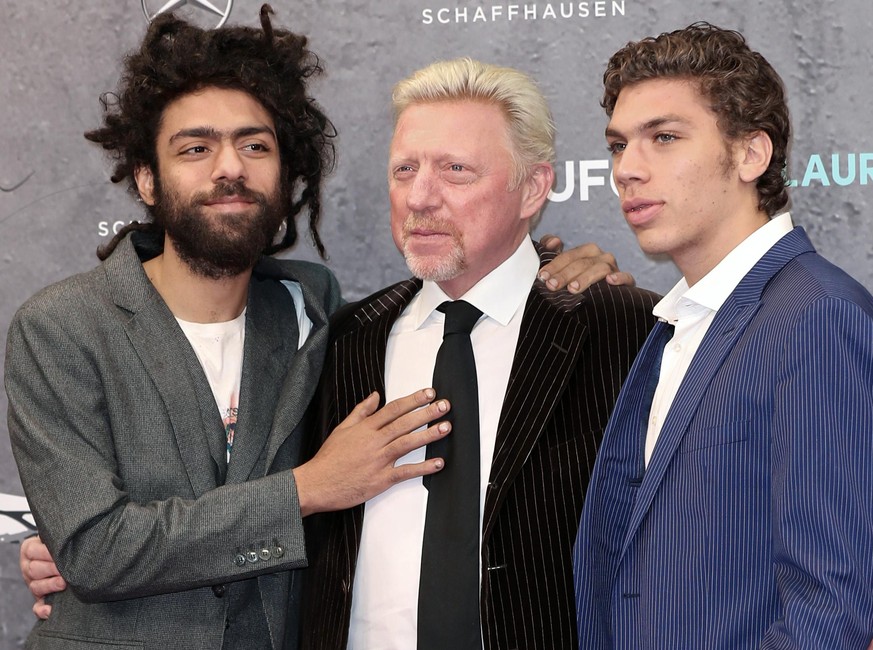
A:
[170,361]
[270,343]
[729,324]
[301,374]
[549,343]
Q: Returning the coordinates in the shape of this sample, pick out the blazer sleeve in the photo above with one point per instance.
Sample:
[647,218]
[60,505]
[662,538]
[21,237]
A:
[823,480]
[107,546]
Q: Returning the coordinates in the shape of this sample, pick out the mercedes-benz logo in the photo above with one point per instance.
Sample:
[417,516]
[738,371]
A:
[193,11]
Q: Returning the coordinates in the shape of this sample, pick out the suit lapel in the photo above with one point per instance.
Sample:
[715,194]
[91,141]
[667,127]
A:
[301,374]
[359,350]
[172,365]
[549,343]
[358,369]
[270,342]
[727,327]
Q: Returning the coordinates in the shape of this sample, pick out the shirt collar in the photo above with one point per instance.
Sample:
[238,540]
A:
[713,289]
[498,295]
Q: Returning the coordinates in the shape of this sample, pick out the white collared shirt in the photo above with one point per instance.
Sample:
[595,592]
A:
[385,593]
[692,310]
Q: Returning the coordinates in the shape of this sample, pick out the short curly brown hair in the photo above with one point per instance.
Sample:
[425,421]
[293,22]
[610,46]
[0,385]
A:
[744,91]
[272,65]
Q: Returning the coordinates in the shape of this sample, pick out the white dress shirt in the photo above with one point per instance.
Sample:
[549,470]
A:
[385,593]
[692,310]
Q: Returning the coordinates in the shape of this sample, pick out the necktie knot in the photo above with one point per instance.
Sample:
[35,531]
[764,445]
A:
[461,316]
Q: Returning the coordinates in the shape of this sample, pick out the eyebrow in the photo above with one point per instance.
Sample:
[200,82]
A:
[654,123]
[211,133]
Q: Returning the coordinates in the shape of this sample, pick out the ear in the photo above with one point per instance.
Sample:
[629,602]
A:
[535,189]
[754,156]
[145,184]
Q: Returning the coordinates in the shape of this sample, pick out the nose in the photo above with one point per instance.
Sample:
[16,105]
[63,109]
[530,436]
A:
[630,166]
[229,165]
[424,191]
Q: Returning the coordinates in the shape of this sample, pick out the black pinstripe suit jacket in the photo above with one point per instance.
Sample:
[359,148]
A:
[572,355]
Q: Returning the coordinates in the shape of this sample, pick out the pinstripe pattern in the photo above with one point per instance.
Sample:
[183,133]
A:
[753,525]
[572,355]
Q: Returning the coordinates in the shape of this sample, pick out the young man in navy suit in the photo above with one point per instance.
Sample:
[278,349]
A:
[730,505]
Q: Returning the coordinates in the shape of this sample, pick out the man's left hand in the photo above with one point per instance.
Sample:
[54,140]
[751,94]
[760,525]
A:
[580,267]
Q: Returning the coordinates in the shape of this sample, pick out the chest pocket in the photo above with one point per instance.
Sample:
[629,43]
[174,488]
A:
[697,439]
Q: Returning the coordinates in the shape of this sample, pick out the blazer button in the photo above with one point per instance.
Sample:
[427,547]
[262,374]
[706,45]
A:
[278,551]
[252,556]
[218,590]
[240,559]
[264,554]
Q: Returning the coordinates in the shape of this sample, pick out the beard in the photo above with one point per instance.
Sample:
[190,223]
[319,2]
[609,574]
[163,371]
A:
[218,246]
[437,268]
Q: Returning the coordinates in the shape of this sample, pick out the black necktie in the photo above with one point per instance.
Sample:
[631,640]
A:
[448,596]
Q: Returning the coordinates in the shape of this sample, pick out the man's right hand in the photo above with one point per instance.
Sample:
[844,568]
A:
[357,461]
[40,574]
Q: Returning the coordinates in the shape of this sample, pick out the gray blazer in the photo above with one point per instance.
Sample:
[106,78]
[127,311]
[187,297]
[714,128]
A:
[121,453]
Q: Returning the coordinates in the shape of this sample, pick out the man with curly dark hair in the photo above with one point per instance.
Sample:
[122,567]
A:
[729,508]
[176,524]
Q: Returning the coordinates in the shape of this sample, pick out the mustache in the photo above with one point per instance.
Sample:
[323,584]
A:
[428,222]
[236,188]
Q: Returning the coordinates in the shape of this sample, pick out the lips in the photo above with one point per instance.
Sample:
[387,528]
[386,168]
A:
[422,232]
[222,200]
[639,212]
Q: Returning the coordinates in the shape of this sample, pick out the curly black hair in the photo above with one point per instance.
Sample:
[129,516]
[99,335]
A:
[272,65]
[744,91]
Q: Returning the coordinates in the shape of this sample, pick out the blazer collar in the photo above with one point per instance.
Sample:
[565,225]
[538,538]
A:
[170,361]
[278,381]
[728,325]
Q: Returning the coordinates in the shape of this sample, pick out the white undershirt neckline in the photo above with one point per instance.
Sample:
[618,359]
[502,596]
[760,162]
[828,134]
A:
[219,348]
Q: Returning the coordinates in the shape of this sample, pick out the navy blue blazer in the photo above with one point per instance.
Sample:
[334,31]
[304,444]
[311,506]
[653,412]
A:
[753,525]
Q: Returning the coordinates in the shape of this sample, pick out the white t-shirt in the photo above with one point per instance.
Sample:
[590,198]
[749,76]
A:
[219,349]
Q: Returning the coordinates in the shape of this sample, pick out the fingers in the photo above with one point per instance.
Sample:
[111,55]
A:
[409,441]
[362,410]
[409,422]
[40,570]
[367,409]
[414,470]
[357,460]
[33,549]
[41,588]
[398,410]
[557,268]
[41,610]
[621,278]
[579,268]
[552,243]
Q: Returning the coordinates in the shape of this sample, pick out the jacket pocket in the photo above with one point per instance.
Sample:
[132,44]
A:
[721,434]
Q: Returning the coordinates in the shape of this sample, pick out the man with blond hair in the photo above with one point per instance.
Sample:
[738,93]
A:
[469,171]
